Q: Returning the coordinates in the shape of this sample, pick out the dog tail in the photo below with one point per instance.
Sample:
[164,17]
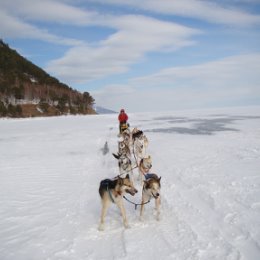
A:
[116,156]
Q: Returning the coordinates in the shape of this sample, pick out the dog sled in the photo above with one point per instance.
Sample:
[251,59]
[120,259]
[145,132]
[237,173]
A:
[123,127]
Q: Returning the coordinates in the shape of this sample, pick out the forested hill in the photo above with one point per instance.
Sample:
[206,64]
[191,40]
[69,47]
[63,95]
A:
[27,90]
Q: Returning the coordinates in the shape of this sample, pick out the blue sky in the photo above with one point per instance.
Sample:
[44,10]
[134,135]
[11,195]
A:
[147,55]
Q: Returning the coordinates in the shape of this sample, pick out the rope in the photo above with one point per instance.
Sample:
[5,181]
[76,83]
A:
[132,168]
[126,172]
[136,204]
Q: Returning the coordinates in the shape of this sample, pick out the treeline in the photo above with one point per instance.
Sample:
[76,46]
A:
[27,90]
[10,110]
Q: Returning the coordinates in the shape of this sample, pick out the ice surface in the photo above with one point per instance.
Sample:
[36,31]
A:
[50,169]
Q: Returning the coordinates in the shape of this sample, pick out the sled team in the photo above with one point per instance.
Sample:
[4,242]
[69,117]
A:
[132,153]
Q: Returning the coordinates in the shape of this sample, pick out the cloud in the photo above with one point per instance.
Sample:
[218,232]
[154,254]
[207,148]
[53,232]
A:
[217,12]
[241,69]
[135,37]
[115,96]
[48,11]
[209,11]
[163,99]
[14,27]
[230,81]
[176,98]
[131,40]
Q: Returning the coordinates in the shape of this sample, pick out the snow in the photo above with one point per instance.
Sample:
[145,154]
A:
[50,169]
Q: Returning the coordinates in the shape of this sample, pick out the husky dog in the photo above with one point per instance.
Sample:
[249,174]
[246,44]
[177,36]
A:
[127,137]
[144,167]
[113,191]
[136,133]
[146,142]
[124,164]
[151,189]
[140,144]
[124,149]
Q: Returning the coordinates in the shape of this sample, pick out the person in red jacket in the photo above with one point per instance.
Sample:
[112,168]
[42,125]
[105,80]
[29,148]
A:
[122,118]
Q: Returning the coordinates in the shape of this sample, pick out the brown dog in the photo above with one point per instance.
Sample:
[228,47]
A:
[144,167]
[113,191]
[151,189]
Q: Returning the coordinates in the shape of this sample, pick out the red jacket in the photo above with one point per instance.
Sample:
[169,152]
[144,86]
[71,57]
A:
[122,117]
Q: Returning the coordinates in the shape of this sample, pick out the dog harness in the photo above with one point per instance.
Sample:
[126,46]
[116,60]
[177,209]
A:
[148,176]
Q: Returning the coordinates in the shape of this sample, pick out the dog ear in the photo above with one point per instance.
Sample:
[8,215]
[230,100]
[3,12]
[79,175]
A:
[146,183]
[120,180]
[116,156]
[160,178]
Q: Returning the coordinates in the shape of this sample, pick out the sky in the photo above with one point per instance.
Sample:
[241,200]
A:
[149,55]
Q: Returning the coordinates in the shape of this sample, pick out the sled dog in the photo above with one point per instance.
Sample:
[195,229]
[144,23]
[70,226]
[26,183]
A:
[144,167]
[151,189]
[124,164]
[136,133]
[124,149]
[113,191]
[140,144]
[127,138]
[146,142]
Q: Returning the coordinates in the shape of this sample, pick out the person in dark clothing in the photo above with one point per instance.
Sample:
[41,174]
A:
[122,118]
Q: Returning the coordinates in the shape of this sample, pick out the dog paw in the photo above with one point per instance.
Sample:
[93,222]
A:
[101,227]
[127,226]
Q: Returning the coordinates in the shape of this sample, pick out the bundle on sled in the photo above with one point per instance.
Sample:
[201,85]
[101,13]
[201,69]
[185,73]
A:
[124,127]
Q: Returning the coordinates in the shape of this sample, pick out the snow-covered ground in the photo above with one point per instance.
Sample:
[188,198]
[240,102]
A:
[50,169]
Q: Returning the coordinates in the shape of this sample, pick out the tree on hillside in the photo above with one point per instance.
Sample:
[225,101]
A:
[88,100]
[20,79]
[3,109]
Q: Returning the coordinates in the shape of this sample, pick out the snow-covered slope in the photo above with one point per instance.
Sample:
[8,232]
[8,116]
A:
[50,169]
[102,110]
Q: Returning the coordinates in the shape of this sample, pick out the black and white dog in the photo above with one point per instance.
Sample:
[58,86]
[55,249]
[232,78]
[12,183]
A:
[140,144]
[124,164]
